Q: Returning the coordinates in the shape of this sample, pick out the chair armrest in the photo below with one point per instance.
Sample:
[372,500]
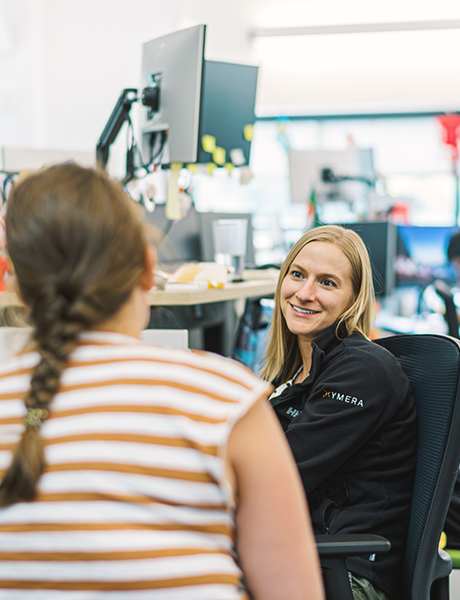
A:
[342,546]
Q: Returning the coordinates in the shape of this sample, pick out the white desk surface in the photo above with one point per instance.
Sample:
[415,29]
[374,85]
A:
[231,291]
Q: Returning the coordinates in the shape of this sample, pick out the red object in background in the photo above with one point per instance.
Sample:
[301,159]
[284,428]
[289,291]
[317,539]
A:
[400,213]
[451,132]
[4,268]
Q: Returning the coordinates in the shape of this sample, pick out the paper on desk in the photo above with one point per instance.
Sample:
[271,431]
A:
[212,274]
[194,285]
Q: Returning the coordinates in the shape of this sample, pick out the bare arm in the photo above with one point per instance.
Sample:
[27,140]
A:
[275,543]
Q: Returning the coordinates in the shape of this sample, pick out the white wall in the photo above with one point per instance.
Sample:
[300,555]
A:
[21,84]
[63,63]
[70,60]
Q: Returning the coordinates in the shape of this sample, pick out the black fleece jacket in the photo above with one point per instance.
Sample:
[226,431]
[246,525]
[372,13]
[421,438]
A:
[352,429]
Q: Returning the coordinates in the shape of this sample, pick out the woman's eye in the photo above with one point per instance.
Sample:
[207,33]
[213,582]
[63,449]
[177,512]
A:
[328,283]
[296,274]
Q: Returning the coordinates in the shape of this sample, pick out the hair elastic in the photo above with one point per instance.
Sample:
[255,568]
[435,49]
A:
[34,417]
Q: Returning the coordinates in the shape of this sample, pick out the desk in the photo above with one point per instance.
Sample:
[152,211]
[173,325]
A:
[209,312]
[209,315]
[257,288]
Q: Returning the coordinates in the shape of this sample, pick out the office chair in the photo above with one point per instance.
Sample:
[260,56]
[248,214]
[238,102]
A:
[432,365]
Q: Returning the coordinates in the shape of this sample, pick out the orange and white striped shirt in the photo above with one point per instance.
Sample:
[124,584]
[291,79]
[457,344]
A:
[134,502]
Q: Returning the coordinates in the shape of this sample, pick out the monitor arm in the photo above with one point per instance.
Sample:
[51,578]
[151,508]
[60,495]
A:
[119,116]
[328,176]
[150,97]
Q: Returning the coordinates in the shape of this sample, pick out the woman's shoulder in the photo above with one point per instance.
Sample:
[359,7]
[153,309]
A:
[204,372]
[227,367]
[370,357]
[360,344]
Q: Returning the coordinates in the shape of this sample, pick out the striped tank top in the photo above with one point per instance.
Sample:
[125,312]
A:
[134,502]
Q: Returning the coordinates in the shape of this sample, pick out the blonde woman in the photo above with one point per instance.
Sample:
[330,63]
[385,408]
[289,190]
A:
[343,401]
[130,471]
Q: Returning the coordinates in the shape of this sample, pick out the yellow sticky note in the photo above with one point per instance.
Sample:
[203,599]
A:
[209,143]
[211,167]
[248,131]
[193,167]
[218,156]
[229,167]
[172,208]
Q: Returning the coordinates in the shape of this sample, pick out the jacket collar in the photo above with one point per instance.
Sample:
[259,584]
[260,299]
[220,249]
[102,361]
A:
[327,340]
[330,337]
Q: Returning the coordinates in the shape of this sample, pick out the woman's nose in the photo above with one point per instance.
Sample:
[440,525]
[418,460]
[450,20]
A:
[306,292]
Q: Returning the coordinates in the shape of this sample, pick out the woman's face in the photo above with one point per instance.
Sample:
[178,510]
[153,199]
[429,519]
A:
[317,289]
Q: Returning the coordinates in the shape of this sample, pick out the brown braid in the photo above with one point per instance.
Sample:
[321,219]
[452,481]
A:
[78,248]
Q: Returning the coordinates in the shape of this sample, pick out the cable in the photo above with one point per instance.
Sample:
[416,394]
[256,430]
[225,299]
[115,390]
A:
[167,229]
[133,146]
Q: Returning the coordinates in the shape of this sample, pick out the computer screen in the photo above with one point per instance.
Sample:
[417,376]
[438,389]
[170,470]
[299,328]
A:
[191,238]
[180,240]
[176,62]
[422,255]
[380,240]
[198,100]
[227,110]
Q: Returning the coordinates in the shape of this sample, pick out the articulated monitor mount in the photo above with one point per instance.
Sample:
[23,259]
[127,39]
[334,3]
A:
[328,176]
[120,115]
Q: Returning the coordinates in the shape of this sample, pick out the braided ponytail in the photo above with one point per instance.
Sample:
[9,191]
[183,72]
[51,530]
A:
[77,246]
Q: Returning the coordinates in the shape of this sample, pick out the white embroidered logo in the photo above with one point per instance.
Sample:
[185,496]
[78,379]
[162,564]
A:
[343,398]
[293,411]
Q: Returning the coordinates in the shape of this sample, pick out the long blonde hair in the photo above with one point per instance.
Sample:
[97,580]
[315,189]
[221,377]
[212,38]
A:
[77,244]
[283,355]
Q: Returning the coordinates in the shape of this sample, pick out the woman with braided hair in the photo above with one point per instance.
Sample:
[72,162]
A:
[128,470]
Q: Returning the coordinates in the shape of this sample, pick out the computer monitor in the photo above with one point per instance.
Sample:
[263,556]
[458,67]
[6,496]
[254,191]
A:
[191,238]
[380,238]
[174,62]
[227,110]
[422,255]
[197,98]
[179,240]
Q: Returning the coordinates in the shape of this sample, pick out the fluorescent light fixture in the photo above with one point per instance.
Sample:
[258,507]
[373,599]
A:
[356,28]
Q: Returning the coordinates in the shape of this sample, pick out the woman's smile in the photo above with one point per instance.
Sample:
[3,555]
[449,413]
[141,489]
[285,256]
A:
[304,311]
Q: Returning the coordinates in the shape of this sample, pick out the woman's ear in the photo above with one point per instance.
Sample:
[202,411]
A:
[150,261]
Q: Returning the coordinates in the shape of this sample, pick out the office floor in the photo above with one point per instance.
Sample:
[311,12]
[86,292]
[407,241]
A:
[455,585]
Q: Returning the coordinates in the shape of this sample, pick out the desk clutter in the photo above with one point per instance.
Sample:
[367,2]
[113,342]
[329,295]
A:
[203,275]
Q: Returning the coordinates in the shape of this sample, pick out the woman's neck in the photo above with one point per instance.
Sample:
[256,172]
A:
[132,316]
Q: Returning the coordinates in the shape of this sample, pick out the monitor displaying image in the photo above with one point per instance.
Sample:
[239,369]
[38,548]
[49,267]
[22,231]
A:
[422,255]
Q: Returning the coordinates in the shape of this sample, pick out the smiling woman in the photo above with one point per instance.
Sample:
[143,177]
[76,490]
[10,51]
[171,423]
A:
[343,401]
[316,292]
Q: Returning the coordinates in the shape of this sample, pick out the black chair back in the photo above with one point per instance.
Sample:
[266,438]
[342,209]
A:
[432,364]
